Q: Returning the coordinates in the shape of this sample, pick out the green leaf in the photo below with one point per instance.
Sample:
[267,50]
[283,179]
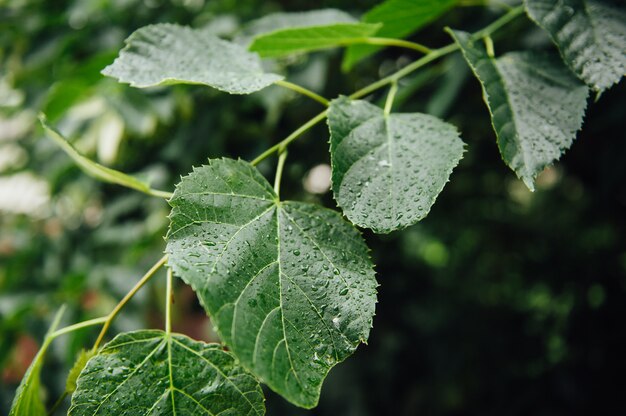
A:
[387,170]
[295,40]
[289,285]
[94,169]
[400,18]
[589,34]
[167,54]
[536,104]
[79,364]
[284,20]
[27,400]
[152,372]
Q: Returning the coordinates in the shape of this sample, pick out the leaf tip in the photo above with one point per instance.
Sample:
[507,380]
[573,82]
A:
[529,181]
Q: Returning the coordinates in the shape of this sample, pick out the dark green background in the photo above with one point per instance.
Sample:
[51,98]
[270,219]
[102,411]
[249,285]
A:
[501,302]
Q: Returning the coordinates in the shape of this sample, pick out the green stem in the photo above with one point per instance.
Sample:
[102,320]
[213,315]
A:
[497,24]
[434,55]
[168,303]
[80,325]
[279,171]
[390,42]
[489,46]
[390,97]
[284,143]
[304,91]
[124,301]
[431,56]
[160,194]
[484,3]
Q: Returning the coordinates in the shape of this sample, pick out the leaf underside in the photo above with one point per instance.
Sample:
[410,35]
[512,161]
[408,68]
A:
[166,54]
[387,170]
[400,18]
[305,39]
[289,285]
[590,34]
[150,372]
[536,104]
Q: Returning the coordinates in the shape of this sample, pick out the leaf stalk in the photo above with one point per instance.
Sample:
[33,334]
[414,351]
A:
[279,171]
[304,91]
[168,303]
[128,297]
[390,97]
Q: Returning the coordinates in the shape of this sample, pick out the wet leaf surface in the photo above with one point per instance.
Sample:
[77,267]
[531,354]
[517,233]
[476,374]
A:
[150,372]
[387,170]
[536,104]
[289,285]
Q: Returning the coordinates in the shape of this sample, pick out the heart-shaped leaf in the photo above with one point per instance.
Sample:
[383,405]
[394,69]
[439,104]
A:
[536,104]
[387,169]
[166,54]
[289,285]
[151,372]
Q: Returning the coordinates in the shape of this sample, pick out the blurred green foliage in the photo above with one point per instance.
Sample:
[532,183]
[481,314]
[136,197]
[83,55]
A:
[501,301]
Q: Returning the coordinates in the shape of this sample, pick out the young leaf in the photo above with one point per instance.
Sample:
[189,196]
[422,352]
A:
[293,40]
[27,400]
[152,372]
[289,285]
[284,20]
[590,34]
[536,104]
[400,18]
[166,54]
[94,169]
[79,364]
[387,169]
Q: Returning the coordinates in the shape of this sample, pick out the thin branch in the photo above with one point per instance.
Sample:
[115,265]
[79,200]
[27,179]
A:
[284,143]
[437,53]
[304,91]
[497,24]
[434,55]
[124,301]
[80,325]
[426,59]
